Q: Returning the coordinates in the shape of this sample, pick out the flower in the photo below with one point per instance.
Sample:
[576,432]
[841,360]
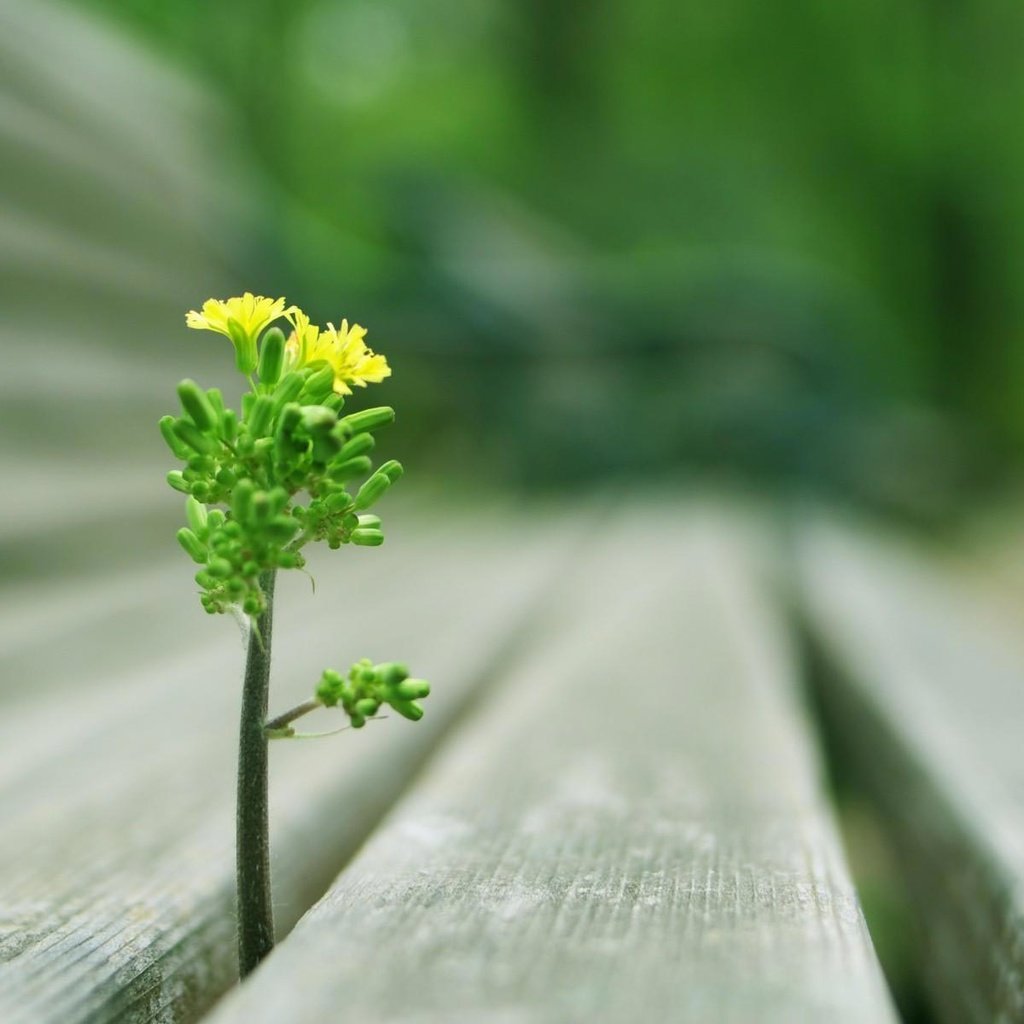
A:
[241,319]
[303,339]
[342,348]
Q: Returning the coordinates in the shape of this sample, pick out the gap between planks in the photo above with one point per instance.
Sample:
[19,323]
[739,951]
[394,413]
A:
[924,688]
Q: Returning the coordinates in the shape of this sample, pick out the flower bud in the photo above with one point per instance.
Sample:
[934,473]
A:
[367,538]
[282,528]
[197,441]
[337,501]
[367,419]
[288,389]
[177,446]
[329,689]
[219,568]
[318,385]
[358,466]
[359,445]
[325,448]
[271,356]
[217,401]
[241,500]
[367,707]
[371,490]
[260,509]
[368,521]
[177,481]
[195,513]
[197,405]
[285,446]
[411,689]
[229,424]
[260,415]
[245,346]
[194,548]
[318,419]
[278,499]
[392,469]
[408,709]
[390,673]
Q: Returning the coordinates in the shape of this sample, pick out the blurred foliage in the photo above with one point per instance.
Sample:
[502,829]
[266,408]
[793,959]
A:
[600,237]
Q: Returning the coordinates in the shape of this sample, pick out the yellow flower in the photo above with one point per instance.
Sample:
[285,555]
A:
[303,339]
[342,348]
[241,319]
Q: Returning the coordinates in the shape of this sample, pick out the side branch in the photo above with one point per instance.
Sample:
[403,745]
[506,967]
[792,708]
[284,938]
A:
[283,720]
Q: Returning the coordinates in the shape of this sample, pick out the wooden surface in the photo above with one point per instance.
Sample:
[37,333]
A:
[114,223]
[630,829]
[924,685]
[116,781]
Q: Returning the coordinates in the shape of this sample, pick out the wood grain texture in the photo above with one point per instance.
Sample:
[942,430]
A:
[116,788]
[631,829]
[924,687]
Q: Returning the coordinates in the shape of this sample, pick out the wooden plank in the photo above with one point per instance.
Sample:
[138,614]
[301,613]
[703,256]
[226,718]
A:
[116,888]
[632,828]
[924,689]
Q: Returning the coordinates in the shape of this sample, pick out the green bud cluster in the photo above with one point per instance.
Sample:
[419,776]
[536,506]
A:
[234,548]
[367,687]
[285,473]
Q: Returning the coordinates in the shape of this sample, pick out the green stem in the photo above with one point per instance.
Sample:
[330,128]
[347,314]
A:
[255,912]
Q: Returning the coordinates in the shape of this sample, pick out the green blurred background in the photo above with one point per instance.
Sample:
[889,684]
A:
[773,243]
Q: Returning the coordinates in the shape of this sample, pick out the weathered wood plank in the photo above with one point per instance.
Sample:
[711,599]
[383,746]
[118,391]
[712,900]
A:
[924,689]
[632,828]
[116,793]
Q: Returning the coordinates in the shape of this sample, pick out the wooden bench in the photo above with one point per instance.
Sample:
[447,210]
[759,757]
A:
[630,827]
[116,787]
[925,695]
[622,815]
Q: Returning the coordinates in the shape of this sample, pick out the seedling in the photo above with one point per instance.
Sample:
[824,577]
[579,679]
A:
[261,486]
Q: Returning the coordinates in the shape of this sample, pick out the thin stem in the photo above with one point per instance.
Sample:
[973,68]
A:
[289,716]
[329,732]
[252,850]
[303,538]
